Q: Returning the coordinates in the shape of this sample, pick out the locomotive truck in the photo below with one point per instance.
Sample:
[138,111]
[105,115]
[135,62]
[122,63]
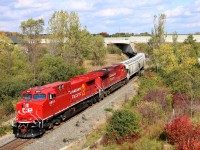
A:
[42,107]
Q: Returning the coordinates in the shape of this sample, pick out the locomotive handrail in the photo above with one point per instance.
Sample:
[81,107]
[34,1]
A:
[40,119]
[35,117]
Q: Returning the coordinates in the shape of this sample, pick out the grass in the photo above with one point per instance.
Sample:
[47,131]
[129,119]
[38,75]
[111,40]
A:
[5,130]
[196,118]
[108,109]
[95,135]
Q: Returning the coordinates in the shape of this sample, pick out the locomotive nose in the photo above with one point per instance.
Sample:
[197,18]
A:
[24,112]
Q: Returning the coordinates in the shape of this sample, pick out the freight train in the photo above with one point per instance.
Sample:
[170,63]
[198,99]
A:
[42,107]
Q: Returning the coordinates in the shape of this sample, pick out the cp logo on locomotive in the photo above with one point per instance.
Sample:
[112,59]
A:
[27,110]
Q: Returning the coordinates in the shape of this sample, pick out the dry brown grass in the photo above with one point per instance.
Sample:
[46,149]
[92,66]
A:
[109,60]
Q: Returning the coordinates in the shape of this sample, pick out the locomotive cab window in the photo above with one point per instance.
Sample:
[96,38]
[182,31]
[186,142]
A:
[39,96]
[27,96]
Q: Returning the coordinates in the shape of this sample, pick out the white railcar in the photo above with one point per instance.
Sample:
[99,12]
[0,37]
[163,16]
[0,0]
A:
[134,64]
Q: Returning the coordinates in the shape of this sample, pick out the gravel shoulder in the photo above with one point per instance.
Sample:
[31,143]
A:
[71,134]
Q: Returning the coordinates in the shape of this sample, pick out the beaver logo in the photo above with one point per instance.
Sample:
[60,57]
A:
[83,89]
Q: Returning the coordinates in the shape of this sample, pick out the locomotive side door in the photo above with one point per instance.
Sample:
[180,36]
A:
[69,96]
[98,84]
[52,101]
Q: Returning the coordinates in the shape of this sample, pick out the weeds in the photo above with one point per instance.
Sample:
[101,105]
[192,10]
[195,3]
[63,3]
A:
[5,129]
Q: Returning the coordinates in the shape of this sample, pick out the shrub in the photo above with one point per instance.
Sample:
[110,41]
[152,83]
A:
[6,108]
[181,103]
[183,134]
[142,47]
[160,96]
[5,129]
[146,84]
[114,50]
[122,126]
[123,122]
[150,111]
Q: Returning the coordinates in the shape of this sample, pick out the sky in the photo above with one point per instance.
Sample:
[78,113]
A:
[111,16]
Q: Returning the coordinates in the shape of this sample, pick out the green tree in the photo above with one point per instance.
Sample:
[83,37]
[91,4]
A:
[6,48]
[54,69]
[190,40]
[73,42]
[98,50]
[194,46]
[59,31]
[113,49]
[158,32]
[31,30]
[174,39]
[164,58]
[69,39]
[180,70]
[13,75]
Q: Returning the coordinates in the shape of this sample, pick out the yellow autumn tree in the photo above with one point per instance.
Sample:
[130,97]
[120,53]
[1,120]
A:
[168,60]
[185,57]
[165,58]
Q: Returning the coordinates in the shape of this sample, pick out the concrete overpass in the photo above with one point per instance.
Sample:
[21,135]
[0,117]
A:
[123,43]
[126,44]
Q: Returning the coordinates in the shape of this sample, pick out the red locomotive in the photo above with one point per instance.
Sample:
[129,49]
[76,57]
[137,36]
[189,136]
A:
[42,107]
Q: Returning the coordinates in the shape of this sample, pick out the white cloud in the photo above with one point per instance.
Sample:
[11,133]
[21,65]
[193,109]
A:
[31,4]
[109,21]
[3,9]
[78,5]
[197,2]
[175,12]
[114,12]
[191,25]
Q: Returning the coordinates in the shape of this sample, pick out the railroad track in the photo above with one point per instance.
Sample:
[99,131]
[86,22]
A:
[16,144]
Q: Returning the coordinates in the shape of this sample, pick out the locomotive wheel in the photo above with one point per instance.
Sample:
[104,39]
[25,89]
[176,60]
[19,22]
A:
[57,121]
[94,100]
[108,92]
[105,94]
[50,126]
[98,99]
[64,118]
[102,97]
[90,103]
